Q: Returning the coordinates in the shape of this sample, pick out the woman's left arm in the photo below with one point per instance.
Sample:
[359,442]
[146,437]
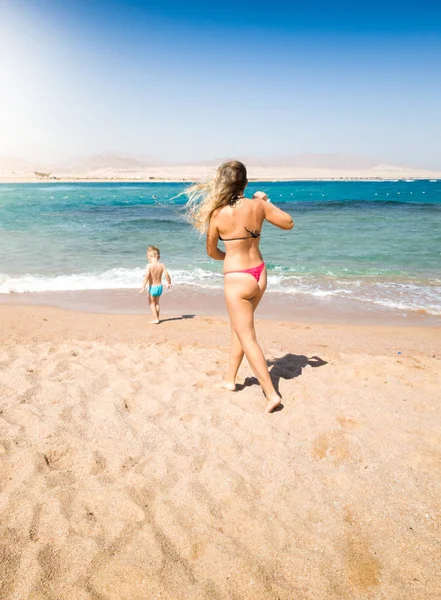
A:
[212,241]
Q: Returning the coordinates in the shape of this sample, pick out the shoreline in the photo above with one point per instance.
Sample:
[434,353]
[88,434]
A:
[205,302]
[391,178]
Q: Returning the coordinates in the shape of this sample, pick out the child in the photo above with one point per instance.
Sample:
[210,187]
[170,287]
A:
[155,272]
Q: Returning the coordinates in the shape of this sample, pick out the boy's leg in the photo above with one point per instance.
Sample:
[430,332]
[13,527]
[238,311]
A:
[152,302]
[157,305]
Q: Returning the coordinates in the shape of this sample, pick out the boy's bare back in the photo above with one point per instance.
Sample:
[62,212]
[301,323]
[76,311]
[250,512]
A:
[156,271]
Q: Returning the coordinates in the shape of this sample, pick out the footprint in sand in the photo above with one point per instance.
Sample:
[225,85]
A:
[11,547]
[363,568]
[348,422]
[99,464]
[334,445]
[59,459]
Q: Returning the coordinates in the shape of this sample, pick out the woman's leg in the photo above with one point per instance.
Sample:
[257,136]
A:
[234,362]
[236,351]
[239,293]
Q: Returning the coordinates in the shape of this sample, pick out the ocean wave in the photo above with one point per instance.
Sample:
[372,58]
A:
[404,296]
[112,279]
[398,296]
[412,304]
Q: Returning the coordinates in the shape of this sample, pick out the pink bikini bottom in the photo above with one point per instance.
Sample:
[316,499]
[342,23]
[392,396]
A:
[255,271]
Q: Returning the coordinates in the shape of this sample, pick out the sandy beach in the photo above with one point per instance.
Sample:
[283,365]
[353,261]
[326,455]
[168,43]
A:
[125,474]
[158,160]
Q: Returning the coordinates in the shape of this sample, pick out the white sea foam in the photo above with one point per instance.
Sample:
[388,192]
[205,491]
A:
[112,279]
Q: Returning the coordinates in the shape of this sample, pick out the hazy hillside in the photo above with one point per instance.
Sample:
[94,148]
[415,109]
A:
[310,161]
[115,162]
[119,167]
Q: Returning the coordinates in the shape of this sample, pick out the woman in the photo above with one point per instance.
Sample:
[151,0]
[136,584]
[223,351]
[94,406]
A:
[220,209]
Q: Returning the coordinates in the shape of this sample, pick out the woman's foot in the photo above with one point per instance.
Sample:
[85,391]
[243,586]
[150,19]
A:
[155,322]
[227,385]
[273,403]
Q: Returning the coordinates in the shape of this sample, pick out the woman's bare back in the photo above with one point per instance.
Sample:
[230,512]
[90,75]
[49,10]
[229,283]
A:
[234,224]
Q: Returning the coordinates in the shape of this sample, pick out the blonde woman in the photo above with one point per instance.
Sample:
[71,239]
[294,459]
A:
[220,209]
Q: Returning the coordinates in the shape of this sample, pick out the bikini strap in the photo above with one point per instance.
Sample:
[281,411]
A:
[253,234]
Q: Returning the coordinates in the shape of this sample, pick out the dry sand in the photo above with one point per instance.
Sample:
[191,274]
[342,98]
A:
[124,475]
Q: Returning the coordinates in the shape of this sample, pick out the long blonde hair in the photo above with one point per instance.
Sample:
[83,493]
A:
[204,198]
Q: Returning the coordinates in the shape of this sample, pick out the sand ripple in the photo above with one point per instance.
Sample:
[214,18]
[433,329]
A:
[116,484]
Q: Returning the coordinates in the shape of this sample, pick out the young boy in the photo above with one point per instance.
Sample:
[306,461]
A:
[153,276]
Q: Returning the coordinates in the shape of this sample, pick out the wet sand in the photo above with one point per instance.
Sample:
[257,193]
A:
[199,301]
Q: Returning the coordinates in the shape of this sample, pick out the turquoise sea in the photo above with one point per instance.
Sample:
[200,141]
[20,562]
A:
[376,242]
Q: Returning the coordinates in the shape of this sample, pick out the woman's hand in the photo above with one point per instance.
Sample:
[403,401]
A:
[260,196]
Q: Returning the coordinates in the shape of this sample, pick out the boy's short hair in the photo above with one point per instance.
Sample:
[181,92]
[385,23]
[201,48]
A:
[154,250]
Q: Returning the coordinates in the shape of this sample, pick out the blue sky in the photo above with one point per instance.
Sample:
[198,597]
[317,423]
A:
[198,80]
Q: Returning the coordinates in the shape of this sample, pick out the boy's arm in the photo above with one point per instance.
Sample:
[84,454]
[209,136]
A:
[146,279]
[167,276]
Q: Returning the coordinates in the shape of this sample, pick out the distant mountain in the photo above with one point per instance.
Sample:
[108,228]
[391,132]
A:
[309,161]
[111,166]
[326,161]
[114,162]
[10,164]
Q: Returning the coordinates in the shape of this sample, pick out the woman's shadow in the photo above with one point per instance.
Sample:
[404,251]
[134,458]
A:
[289,366]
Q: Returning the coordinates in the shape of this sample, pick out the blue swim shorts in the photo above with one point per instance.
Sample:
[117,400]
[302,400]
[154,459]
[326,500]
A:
[155,290]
